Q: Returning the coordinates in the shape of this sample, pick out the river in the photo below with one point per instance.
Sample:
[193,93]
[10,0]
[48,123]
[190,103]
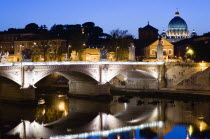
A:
[135,116]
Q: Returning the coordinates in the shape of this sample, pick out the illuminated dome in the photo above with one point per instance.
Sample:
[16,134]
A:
[177,28]
[177,23]
[163,34]
[194,34]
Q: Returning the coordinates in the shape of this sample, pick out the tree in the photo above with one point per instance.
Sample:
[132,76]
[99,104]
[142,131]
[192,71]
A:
[32,28]
[199,45]
[58,31]
[88,24]
[26,53]
[119,43]
[44,48]
[43,28]
[77,42]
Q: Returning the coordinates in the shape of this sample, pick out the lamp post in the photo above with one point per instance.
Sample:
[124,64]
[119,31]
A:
[22,70]
[20,53]
[190,52]
[116,54]
[84,45]
[67,58]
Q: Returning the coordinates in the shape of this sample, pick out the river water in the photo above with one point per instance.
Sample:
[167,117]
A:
[125,117]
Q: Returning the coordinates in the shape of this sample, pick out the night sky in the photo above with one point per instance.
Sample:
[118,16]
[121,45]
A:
[108,14]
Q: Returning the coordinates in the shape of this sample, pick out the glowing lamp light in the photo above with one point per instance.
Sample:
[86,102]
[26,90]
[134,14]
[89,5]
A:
[61,106]
[190,52]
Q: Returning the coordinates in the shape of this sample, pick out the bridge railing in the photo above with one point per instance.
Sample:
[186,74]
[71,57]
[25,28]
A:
[80,63]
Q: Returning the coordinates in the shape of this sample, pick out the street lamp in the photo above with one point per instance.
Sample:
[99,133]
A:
[116,54]
[67,58]
[84,45]
[190,52]
[20,52]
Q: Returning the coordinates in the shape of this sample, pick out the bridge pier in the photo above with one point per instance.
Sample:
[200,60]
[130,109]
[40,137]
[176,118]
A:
[27,94]
[9,92]
[88,88]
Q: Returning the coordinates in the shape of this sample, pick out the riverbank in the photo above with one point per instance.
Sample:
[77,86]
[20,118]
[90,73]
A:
[165,94]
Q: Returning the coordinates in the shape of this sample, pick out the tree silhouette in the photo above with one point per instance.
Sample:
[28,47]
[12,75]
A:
[88,24]
[44,48]
[32,28]
[119,42]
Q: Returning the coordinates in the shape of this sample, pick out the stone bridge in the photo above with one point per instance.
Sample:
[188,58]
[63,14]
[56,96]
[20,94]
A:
[94,78]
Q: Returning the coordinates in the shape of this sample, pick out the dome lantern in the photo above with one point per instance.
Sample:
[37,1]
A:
[177,13]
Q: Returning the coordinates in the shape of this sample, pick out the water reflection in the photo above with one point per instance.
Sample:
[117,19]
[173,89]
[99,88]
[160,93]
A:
[31,130]
[54,110]
[63,116]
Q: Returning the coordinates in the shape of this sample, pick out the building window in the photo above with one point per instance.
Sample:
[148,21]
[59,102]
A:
[170,52]
[153,51]
[164,52]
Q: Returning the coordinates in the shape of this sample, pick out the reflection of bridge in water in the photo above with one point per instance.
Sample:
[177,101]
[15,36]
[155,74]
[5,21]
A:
[97,76]
[171,113]
[84,116]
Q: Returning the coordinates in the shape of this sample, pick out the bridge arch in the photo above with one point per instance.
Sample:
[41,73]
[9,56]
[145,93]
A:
[134,79]
[75,75]
[12,77]
[146,73]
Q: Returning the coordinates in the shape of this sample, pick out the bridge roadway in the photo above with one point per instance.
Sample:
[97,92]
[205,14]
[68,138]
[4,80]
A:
[94,78]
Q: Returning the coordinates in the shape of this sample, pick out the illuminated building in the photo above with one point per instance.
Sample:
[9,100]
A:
[94,55]
[177,29]
[168,51]
[54,50]
[91,54]
[7,40]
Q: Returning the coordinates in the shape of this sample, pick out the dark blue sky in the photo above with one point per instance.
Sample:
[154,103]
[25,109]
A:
[108,14]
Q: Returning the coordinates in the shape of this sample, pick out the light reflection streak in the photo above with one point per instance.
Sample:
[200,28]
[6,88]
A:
[43,112]
[107,132]
[125,106]
[190,130]
[152,117]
